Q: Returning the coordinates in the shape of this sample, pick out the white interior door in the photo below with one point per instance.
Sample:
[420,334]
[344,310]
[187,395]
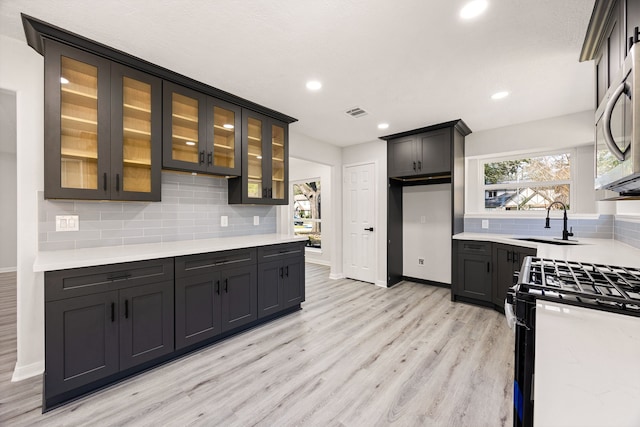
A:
[360,228]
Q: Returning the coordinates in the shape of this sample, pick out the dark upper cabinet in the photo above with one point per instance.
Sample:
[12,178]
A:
[632,15]
[201,133]
[265,162]
[102,122]
[427,153]
[507,259]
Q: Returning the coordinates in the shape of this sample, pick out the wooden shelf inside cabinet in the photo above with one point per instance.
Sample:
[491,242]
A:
[128,132]
[276,159]
[222,128]
[277,144]
[184,138]
[225,147]
[78,154]
[255,178]
[134,111]
[79,124]
[76,97]
[139,163]
[277,179]
[254,138]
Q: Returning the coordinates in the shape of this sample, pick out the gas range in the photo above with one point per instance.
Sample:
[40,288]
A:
[598,286]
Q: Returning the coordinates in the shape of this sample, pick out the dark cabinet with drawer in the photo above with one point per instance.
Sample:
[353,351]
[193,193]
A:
[215,292]
[103,320]
[473,276]
[507,259]
[281,277]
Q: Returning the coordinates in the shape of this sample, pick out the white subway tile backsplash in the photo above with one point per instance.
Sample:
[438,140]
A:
[190,209]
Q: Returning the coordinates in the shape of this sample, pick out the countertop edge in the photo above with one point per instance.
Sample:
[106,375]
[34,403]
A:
[78,258]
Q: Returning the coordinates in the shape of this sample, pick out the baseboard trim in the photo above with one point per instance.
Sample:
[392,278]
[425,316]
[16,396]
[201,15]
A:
[336,276]
[27,371]
[381,283]
[307,258]
[8,269]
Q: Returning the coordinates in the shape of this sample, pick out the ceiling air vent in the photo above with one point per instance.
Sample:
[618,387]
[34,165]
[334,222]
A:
[356,112]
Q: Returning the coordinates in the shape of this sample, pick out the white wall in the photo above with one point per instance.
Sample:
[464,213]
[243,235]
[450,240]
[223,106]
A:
[306,148]
[573,130]
[306,170]
[22,71]
[375,152]
[8,192]
[426,232]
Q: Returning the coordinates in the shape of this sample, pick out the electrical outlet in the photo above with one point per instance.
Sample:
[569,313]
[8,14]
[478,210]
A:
[256,220]
[67,223]
[485,223]
[224,221]
[420,261]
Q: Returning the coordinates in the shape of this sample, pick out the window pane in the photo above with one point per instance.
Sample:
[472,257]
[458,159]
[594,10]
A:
[527,198]
[307,211]
[556,167]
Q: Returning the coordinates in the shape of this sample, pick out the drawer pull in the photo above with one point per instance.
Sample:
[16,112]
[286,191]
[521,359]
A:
[113,312]
[218,287]
[226,285]
[118,276]
[126,309]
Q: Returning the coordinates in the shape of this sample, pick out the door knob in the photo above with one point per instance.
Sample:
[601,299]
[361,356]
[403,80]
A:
[368,229]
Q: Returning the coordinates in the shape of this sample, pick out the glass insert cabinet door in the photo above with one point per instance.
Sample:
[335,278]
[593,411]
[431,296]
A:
[255,187]
[278,162]
[78,124]
[223,137]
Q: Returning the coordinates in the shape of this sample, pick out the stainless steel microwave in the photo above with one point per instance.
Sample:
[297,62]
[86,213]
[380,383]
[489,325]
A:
[618,131]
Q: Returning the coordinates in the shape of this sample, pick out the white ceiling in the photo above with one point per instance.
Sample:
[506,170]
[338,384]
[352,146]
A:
[410,63]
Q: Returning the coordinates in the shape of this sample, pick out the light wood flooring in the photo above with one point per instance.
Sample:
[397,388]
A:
[356,355]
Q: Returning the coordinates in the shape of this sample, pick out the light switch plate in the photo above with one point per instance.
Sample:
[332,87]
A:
[67,223]
[224,221]
[485,223]
[256,220]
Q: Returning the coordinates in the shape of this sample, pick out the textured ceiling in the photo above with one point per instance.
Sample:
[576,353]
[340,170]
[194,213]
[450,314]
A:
[410,63]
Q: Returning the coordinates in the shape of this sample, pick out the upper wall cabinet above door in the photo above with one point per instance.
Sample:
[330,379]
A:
[201,133]
[102,128]
[427,153]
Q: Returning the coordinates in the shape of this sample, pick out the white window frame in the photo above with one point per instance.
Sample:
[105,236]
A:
[488,187]
[292,210]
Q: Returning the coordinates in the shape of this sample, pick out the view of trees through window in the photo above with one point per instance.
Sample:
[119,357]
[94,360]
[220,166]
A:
[531,183]
[307,211]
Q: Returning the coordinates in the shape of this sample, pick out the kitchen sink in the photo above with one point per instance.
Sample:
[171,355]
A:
[548,241]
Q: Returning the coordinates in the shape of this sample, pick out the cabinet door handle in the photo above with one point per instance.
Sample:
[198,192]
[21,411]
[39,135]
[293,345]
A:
[209,158]
[516,258]
[264,192]
[509,256]
[218,287]
[126,309]
[488,267]
[113,312]
[419,165]
[269,193]
[117,182]
[104,181]
[226,285]
[202,157]
[286,271]
[281,272]
[414,166]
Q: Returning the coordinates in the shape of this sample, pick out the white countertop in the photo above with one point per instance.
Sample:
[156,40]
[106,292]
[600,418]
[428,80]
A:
[75,258]
[597,251]
[586,367]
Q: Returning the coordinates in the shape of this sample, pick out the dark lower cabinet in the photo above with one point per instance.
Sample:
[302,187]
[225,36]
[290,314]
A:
[215,293]
[81,342]
[102,320]
[473,271]
[146,323]
[281,277]
[484,271]
[507,260]
[107,322]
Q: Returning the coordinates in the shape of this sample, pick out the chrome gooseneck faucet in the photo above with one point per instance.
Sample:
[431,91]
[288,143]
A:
[565,233]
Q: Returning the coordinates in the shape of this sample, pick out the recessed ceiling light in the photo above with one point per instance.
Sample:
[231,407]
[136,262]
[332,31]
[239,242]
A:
[383,126]
[500,95]
[227,126]
[314,85]
[190,143]
[473,9]
[63,80]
